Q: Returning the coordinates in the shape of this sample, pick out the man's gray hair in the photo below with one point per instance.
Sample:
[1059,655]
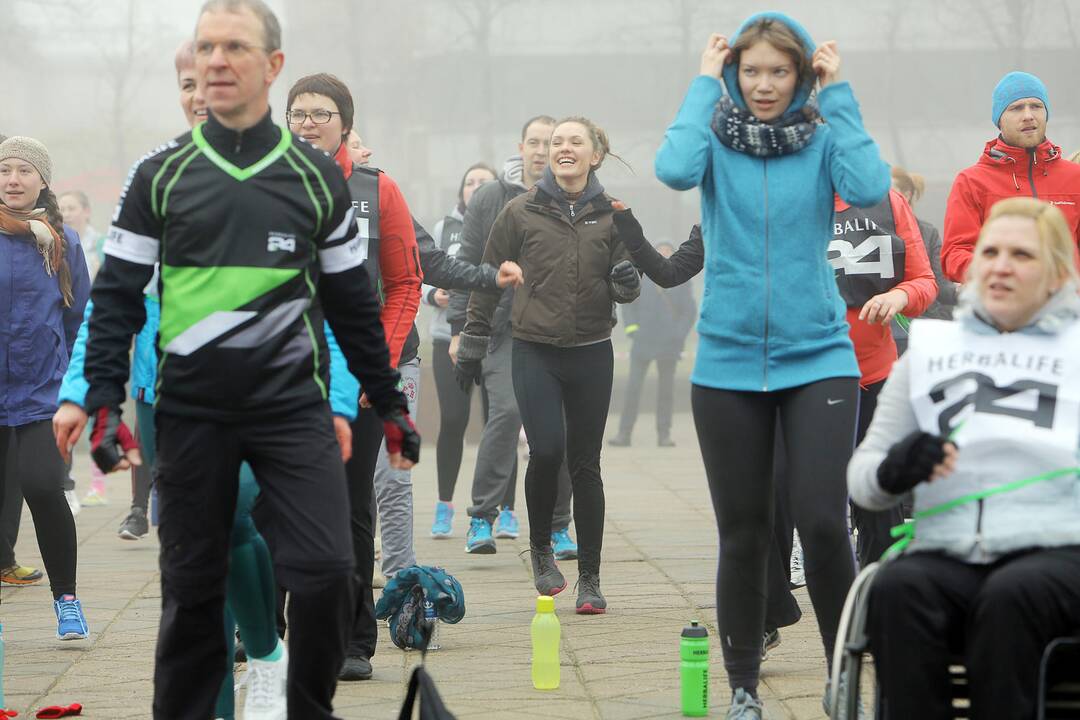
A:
[266,16]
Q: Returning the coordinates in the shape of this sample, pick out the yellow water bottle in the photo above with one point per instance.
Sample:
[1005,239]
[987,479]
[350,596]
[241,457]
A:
[545,645]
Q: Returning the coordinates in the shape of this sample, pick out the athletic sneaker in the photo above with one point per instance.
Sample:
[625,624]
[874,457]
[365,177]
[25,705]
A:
[92,499]
[356,667]
[70,621]
[798,575]
[620,440]
[769,640]
[73,502]
[135,525]
[590,601]
[20,575]
[744,706]
[508,525]
[546,575]
[479,540]
[266,688]
[444,520]
[563,545]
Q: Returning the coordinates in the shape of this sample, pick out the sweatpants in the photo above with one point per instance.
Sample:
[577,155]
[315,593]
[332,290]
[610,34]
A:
[393,489]
[496,458]
[563,394]
[926,607]
[30,463]
[297,462]
[665,393]
[454,409]
[736,432]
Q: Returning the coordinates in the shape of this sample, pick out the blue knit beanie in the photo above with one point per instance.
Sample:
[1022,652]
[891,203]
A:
[1013,87]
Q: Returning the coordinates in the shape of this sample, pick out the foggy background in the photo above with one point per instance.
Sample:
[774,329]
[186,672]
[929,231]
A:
[441,84]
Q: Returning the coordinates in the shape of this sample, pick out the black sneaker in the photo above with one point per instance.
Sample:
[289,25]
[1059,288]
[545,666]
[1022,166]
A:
[549,580]
[356,667]
[769,640]
[135,525]
[590,601]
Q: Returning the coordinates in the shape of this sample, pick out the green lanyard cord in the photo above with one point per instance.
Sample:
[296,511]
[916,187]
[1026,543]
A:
[905,532]
[903,321]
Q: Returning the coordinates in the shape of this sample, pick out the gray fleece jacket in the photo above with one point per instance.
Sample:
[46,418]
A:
[1004,433]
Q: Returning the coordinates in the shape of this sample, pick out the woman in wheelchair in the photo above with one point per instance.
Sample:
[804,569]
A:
[980,421]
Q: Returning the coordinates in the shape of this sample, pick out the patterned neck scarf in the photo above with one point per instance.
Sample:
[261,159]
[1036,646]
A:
[33,223]
[740,130]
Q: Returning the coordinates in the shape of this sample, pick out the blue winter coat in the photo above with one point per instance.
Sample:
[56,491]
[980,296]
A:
[37,332]
[771,316]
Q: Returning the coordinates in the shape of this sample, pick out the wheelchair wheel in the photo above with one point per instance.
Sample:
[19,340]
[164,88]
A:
[851,647]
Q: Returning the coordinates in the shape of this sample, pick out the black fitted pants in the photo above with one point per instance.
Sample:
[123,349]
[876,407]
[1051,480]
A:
[454,407]
[926,607]
[297,462]
[563,394]
[736,433]
[875,528]
[30,462]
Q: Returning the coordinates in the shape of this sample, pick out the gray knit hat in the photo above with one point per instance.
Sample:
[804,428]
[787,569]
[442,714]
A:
[28,150]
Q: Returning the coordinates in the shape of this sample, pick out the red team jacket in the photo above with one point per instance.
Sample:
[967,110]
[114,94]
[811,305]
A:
[1004,171]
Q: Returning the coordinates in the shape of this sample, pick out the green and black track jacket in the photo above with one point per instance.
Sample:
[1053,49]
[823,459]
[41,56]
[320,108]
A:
[256,239]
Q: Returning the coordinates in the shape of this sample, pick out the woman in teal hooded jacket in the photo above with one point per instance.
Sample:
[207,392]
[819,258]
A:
[773,337]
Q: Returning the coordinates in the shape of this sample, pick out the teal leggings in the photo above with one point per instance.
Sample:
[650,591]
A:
[251,600]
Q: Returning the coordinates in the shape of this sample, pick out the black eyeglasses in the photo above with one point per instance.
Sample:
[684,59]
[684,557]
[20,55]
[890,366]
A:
[319,117]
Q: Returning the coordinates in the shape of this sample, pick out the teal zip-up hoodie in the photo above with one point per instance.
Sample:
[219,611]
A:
[771,316]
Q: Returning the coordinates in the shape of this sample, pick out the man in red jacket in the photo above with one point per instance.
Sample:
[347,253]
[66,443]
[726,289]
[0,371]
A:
[1020,161]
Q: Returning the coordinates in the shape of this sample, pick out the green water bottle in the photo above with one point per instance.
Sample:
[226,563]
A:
[694,669]
[545,645]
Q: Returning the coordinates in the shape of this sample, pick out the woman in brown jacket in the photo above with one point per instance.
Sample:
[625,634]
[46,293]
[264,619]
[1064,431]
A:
[565,235]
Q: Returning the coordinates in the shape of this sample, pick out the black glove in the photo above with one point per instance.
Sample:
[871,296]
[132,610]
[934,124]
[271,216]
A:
[472,349]
[628,229]
[467,373]
[401,435]
[110,439]
[626,283]
[910,462]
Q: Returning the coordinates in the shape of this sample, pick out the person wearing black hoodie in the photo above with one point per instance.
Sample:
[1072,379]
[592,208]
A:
[565,234]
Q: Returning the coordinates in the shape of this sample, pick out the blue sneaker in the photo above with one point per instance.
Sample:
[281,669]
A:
[479,540]
[508,525]
[564,546]
[70,621]
[444,520]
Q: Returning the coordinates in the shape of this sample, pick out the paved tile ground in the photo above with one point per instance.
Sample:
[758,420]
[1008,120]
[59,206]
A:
[659,559]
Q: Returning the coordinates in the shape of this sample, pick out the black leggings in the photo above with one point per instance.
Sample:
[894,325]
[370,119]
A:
[563,395]
[736,432]
[454,405]
[28,456]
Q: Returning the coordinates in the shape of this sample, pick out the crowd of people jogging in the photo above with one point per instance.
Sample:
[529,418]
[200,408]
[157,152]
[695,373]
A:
[853,368]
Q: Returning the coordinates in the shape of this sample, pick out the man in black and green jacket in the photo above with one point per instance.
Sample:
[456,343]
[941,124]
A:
[255,234]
